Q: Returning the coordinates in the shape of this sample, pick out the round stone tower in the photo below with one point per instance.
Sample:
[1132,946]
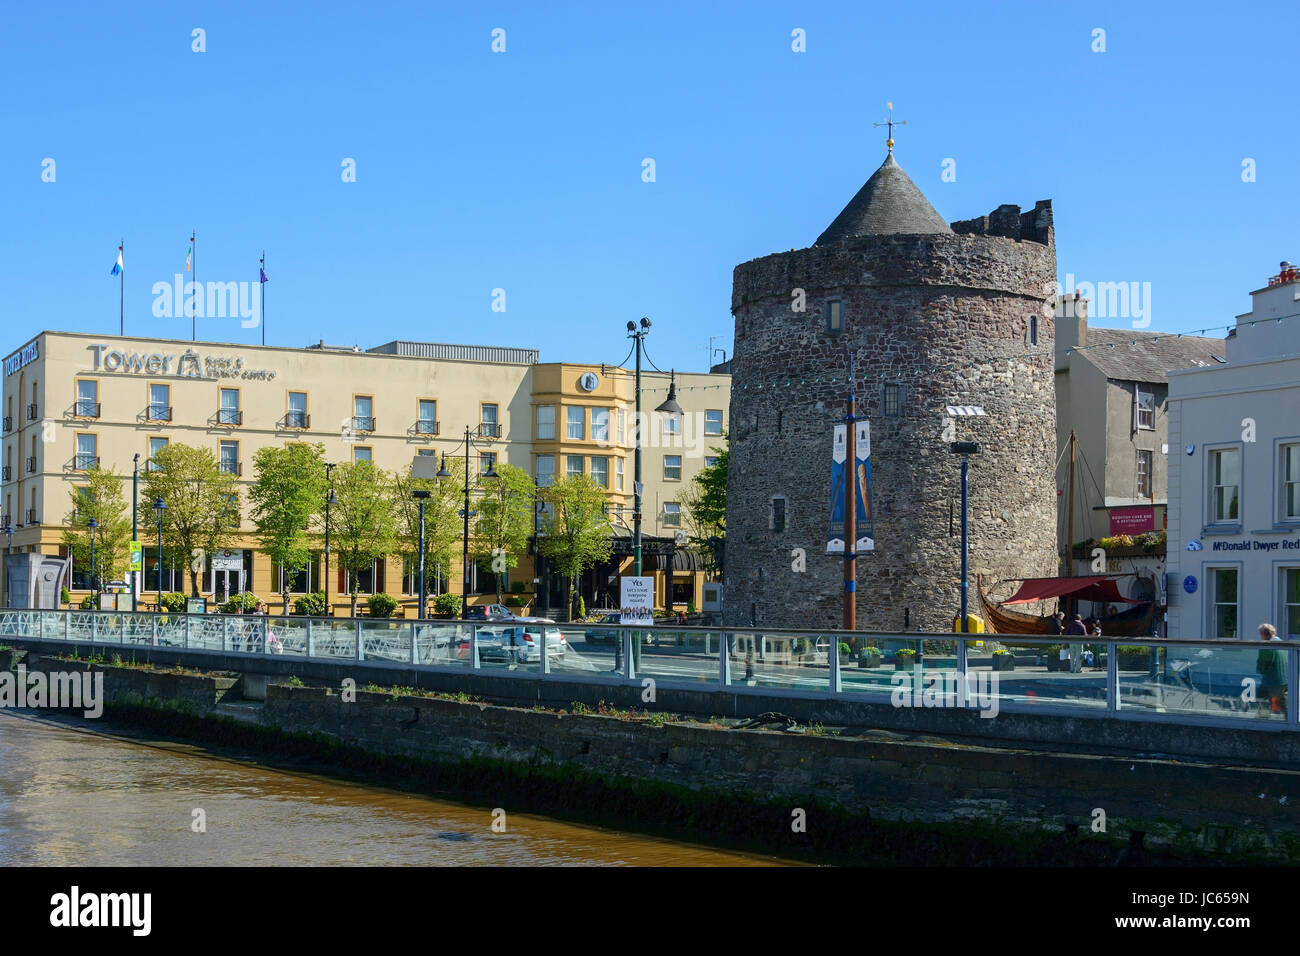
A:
[934,316]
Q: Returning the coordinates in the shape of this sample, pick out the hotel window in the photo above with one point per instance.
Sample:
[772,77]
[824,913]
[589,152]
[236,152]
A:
[600,470]
[160,403]
[489,426]
[1223,602]
[1289,620]
[87,398]
[672,514]
[435,579]
[672,467]
[361,453]
[155,445]
[427,452]
[618,474]
[296,417]
[368,578]
[172,575]
[891,404]
[600,425]
[426,422]
[834,316]
[87,452]
[229,457]
[487,461]
[1146,409]
[31,462]
[545,422]
[33,412]
[713,421]
[1291,482]
[362,419]
[545,471]
[710,461]
[303,581]
[622,426]
[573,465]
[1144,474]
[1225,484]
[778,515]
[575,417]
[228,407]
[672,424]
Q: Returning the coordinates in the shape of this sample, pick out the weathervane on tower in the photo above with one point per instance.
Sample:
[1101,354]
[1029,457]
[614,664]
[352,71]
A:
[891,123]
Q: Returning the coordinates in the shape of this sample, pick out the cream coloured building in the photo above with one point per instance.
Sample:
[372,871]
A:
[74,401]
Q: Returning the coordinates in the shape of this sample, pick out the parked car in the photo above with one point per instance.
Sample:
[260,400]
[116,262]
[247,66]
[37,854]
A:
[488,612]
[602,632]
[521,643]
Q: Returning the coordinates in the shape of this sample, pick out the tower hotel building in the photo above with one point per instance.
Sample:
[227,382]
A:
[74,401]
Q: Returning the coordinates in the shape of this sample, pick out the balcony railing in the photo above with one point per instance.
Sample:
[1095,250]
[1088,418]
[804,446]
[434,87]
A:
[363,423]
[296,419]
[159,413]
[230,416]
[232,467]
[86,409]
[84,462]
[31,516]
[31,465]
[6,473]
[9,423]
[489,430]
[425,426]
[32,412]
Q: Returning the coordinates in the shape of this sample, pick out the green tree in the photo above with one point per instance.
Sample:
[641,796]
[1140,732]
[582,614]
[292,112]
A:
[101,498]
[441,523]
[202,513]
[577,531]
[505,521]
[284,500]
[705,501]
[362,519]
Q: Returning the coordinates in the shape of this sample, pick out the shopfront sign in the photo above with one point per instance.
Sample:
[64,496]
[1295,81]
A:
[1132,520]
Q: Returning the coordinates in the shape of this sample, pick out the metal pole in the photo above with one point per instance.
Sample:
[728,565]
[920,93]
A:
[422,601]
[464,556]
[965,541]
[94,597]
[850,621]
[329,494]
[634,659]
[135,529]
[160,524]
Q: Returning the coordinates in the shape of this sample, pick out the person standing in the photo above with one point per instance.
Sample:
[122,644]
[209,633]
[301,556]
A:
[1271,665]
[1076,629]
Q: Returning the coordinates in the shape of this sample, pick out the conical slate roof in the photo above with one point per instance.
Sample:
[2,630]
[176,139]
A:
[888,203]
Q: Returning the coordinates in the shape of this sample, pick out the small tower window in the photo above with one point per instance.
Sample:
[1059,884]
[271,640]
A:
[778,515]
[834,315]
[891,404]
[1033,330]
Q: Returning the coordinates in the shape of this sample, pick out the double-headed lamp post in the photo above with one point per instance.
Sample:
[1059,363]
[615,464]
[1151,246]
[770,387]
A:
[92,525]
[421,496]
[160,509]
[965,449]
[467,514]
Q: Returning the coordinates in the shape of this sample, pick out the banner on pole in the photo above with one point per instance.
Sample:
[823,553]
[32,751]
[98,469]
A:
[637,598]
[137,556]
[839,454]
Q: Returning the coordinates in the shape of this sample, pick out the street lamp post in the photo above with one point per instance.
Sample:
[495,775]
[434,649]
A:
[135,529]
[329,500]
[9,557]
[160,509]
[467,514]
[421,496]
[539,578]
[91,525]
[965,449]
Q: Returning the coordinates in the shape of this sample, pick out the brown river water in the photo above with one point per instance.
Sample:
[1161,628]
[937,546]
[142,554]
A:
[71,797]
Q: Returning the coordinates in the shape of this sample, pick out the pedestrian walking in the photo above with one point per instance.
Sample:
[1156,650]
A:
[1076,628]
[1271,665]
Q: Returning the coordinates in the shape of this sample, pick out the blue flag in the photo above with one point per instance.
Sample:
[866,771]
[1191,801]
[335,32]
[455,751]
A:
[117,266]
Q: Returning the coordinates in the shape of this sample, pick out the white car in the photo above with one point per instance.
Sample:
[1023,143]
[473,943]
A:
[522,642]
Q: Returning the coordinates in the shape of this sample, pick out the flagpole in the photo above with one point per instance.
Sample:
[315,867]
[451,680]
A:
[261,286]
[121,289]
[194,277]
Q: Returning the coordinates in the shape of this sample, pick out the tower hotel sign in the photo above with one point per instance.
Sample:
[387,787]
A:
[187,364]
[28,353]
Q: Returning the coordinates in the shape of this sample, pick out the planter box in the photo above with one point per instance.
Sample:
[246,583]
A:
[1004,662]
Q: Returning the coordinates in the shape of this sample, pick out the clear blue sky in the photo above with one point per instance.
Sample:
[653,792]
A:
[522,170]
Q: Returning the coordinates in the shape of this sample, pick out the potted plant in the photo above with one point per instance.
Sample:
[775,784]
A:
[844,651]
[869,657]
[1003,660]
[903,658]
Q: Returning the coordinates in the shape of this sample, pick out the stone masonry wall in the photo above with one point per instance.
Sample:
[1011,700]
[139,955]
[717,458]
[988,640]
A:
[913,307]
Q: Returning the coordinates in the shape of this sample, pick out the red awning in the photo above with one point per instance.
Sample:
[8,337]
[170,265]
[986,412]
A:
[1099,588]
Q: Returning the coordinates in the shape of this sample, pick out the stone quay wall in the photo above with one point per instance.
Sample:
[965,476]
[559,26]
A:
[947,318]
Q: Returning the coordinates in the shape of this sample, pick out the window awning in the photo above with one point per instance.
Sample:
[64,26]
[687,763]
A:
[1098,588]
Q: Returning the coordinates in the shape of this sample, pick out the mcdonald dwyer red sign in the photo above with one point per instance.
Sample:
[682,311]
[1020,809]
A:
[1132,520]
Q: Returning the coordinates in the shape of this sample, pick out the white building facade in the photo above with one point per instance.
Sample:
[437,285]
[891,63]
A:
[1234,478]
